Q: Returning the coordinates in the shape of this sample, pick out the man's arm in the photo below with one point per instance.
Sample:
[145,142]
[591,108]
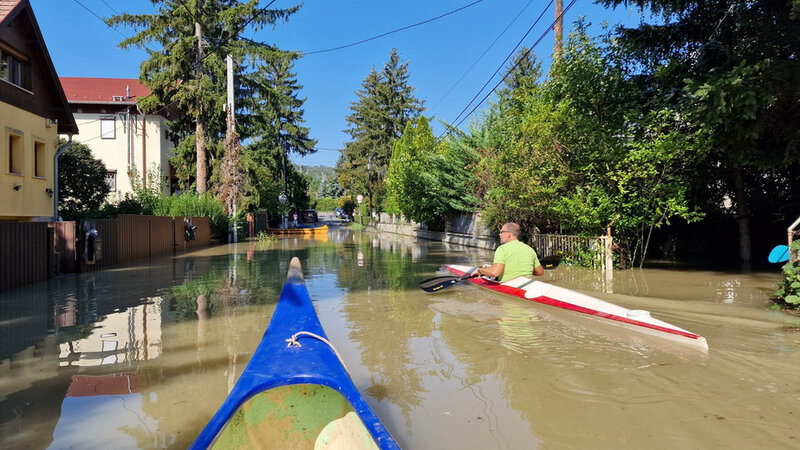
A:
[538,270]
[495,270]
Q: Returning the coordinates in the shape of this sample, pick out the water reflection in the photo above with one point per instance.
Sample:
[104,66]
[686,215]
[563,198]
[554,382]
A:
[142,356]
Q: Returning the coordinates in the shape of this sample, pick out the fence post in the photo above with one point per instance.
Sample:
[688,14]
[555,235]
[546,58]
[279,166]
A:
[793,256]
[609,264]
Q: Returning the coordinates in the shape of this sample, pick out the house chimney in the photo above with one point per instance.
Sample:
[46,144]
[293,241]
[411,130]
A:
[128,91]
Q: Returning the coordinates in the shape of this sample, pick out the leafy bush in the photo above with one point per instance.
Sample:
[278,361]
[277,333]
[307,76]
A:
[265,238]
[348,204]
[355,226]
[788,294]
[327,204]
[193,204]
[81,182]
[149,201]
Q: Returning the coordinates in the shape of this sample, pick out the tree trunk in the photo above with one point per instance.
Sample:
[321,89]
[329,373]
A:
[200,141]
[742,215]
[200,138]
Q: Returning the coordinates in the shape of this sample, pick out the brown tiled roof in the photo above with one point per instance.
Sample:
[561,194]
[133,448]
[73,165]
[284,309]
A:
[102,90]
[6,6]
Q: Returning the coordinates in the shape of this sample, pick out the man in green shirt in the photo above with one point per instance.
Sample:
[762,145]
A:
[513,258]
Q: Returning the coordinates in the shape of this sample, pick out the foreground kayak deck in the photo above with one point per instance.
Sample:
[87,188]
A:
[293,396]
[540,292]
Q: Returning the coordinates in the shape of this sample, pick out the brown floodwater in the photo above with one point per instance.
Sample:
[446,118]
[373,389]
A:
[141,356]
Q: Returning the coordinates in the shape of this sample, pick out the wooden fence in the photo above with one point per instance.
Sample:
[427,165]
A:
[33,251]
[24,253]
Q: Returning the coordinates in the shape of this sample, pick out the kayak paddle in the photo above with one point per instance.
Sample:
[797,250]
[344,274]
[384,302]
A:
[779,254]
[439,283]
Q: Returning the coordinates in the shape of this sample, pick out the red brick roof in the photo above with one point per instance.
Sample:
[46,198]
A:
[6,6]
[103,90]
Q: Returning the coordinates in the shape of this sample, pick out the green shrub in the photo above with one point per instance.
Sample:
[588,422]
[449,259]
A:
[327,204]
[265,238]
[187,204]
[348,204]
[788,294]
[198,205]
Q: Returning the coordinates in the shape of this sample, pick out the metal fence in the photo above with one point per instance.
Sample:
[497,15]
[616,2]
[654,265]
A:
[593,251]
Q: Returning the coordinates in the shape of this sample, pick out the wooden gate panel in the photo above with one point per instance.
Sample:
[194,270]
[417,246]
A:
[178,240]
[23,253]
[107,231]
[65,244]
[133,237]
[202,234]
[161,235]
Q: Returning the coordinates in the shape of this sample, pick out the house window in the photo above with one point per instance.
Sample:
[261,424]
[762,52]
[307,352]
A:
[111,180]
[12,69]
[39,160]
[108,128]
[15,154]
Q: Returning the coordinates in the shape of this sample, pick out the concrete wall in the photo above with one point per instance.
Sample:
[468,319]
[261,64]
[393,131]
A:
[467,230]
[31,200]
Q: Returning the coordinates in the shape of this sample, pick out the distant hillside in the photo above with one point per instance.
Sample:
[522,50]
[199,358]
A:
[319,175]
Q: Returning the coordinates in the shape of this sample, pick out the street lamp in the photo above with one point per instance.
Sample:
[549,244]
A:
[360,199]
[282,198]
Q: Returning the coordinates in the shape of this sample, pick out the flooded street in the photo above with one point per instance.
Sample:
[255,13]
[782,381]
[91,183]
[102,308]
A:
[142,356]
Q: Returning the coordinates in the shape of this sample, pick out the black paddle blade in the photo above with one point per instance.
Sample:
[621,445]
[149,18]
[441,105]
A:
[550,262]
[438,283]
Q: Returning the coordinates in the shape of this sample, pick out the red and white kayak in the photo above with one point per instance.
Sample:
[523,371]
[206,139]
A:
[548,294]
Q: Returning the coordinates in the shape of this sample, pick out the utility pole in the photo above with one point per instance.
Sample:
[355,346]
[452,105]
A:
[369,186]
[559,29]
[200,138]
[231,131]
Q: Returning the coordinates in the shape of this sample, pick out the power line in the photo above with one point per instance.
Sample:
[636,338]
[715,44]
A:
[100,18]
[480,57]
[450,129]
[546,8]
[393,31]
[109,7]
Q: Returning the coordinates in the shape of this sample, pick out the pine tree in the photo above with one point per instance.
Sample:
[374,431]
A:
[273,116]
[385,104]
[186,73]
[523,72]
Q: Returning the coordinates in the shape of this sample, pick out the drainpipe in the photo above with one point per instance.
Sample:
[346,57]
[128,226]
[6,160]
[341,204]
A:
[128,139]
[144,151]
[55,181]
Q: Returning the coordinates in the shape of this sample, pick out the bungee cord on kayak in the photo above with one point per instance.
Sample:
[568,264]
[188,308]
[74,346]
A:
[293,342]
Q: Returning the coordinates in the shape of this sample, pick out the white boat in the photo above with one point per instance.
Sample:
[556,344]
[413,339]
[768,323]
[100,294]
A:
[548,294]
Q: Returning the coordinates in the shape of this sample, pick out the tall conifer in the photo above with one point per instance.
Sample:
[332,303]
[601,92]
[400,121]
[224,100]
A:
[386,103]
[186,70]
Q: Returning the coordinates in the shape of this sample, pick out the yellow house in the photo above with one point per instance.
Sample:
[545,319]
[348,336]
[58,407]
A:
[33,112]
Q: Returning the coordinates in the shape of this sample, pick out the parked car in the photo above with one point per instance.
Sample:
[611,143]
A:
[339,213]
[310,215]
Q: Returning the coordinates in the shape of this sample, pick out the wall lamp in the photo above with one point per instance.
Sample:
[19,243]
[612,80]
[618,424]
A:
[17,187]
[49,192]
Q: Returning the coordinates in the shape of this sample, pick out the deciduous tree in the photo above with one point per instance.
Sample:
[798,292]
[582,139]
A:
[82,184]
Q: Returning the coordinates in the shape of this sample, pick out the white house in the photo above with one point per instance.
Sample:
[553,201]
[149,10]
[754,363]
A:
[117,132]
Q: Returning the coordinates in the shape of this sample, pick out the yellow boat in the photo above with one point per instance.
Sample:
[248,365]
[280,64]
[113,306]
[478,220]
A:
[301,230]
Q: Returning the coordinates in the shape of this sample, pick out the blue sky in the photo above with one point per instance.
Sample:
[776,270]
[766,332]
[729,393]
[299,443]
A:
[439,53]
